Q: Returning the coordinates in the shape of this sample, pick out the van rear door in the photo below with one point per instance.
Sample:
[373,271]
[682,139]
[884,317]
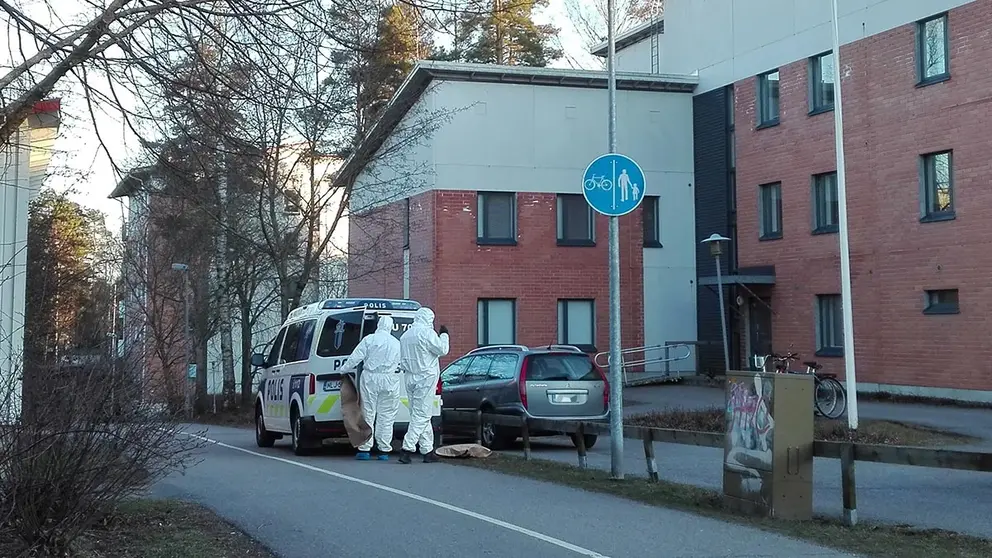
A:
[339,335]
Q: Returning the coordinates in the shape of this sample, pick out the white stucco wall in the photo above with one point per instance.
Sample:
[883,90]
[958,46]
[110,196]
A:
[729,40]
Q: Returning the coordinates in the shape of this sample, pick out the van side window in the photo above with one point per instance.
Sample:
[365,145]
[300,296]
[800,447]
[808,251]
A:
[340,334]
[292,343]
[306,340]
[273,357]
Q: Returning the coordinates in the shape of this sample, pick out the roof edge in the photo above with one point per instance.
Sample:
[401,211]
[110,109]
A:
[631,37]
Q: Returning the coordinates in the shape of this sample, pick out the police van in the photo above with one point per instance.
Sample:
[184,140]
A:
[299,393]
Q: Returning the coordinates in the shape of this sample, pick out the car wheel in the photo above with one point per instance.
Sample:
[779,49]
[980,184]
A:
[262,436]
[589,439]
[299,444]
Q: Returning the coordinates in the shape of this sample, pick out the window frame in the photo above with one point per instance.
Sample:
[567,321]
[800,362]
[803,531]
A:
[921,36]
[817,104]
[652,226]
[823,347]
[816,205]
[482,220]
[762,233]
[928,171]
[482,314]
[932,307]
[562,311]
[762,89]
[561,221]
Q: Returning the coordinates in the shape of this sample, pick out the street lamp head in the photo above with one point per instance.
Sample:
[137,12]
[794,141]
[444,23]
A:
[715,242]
[180,267]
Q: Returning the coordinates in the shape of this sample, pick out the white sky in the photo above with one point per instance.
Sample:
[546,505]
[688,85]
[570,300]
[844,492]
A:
[80,162]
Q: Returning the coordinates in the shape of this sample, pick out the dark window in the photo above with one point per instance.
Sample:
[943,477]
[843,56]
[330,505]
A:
[503,367]
[292,343]
[455,372]
[276,348]
[942,301]
[478,369]
[826,210]
[577,323]
[497,322]
[497,218]
[576,226]
[770,210]
[821,82]
[306,340]
[652,221]
[932,49]
[829,326]
[768,99]
[406,223]
[936,183]
[561,368]
[292,201]
[340,334]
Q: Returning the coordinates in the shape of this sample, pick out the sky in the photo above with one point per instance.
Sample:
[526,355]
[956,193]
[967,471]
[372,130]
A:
[85,165]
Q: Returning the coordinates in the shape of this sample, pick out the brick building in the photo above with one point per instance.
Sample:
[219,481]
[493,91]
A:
[483,219]
[916,77]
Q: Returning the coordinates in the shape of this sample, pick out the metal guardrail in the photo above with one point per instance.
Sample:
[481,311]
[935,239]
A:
[628,365]
[847,452]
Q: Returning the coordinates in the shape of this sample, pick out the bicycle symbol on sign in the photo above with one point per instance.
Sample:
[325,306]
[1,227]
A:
[600,181]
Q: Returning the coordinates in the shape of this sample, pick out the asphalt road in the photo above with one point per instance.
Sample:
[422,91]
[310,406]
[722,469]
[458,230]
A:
[332,505]
[933,498]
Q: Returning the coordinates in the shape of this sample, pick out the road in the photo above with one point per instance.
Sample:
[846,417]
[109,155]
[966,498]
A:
[332,505]
[955,500]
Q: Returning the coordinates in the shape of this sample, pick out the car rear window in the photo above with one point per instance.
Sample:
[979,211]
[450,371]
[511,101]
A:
[562,368]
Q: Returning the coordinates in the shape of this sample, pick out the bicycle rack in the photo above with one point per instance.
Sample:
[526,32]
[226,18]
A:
[644,360]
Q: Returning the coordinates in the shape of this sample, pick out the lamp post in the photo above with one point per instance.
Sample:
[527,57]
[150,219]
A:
[184,269]
[715,242]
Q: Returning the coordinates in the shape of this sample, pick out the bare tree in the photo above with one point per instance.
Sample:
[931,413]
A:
[588,17]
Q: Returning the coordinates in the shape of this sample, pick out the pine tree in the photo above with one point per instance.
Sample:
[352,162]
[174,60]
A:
[506,34]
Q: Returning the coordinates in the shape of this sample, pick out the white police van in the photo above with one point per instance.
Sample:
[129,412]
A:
[299,393]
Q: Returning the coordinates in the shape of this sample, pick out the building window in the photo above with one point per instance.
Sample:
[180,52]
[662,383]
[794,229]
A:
[932,50]
[652,221]
[829,326]
[576,225]
[821,82]
[497,218]
[942,301]
[406,223]
[770,210]
[937,188]
[292,201]
[826,210]
[577,324]
[768,99]
[497,321]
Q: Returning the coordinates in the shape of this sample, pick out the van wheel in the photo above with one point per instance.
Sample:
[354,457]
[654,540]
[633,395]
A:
[263,438]
[296,425]
[589,439]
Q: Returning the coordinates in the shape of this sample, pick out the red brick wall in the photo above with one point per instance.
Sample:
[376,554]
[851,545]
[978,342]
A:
[450,271]
[889,123]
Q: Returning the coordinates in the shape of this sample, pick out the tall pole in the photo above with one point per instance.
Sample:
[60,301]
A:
[616,364]
[845,248]
[723,314]
[189,402]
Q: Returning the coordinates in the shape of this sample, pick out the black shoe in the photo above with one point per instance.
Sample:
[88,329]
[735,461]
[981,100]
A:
[431,458]
[405,458]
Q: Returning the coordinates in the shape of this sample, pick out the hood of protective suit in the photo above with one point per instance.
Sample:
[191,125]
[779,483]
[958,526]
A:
[385,325]
[425,317]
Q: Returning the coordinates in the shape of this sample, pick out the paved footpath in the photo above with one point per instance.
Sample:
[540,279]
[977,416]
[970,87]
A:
[934,498]
[332,505]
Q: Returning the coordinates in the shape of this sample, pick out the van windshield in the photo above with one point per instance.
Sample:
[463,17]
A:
[562,368]
[340,334]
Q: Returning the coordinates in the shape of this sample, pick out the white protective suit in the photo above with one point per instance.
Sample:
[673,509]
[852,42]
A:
[380,383]
[420,348]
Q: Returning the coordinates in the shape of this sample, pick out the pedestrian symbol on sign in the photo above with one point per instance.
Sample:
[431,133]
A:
[613,185]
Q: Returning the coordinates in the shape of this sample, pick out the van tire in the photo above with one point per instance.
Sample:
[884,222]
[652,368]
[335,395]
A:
[300,446]
[263,438]
[589,439]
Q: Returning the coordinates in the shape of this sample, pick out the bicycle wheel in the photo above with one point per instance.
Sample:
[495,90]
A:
[606,184]
[589,184]
[840,407]
[824,397]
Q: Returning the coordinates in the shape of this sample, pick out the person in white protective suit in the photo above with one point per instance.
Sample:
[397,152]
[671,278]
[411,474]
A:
[420,348]
[379,387]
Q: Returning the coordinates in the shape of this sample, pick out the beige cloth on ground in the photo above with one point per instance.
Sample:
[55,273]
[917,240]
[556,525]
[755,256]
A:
[351,413]
[464,450]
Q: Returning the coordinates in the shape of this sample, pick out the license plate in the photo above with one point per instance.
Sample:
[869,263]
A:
[563,398]
[332,385]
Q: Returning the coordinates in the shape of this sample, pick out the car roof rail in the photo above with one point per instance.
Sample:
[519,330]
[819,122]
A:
[500,348]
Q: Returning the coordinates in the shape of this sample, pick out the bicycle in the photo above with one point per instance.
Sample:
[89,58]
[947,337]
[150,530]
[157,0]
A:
[829,397]
[601,181]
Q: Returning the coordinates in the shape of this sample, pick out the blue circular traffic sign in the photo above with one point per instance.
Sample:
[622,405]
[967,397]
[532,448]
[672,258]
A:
[613,184]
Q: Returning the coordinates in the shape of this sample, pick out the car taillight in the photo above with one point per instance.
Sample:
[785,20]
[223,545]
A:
[437,390]
[522,382]
[606,388]
[313,384]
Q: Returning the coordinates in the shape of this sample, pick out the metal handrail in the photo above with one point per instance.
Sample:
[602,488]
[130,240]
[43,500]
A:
[643,361]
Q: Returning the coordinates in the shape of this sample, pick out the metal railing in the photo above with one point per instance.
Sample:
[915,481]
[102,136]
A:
[627,363]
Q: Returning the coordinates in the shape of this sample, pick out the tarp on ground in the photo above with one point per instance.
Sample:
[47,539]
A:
[464,450]
[351,413]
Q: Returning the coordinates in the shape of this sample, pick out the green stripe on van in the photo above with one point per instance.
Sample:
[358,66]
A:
[328,404]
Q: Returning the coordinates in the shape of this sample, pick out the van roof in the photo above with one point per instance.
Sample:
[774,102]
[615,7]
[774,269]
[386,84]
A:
[395,304]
